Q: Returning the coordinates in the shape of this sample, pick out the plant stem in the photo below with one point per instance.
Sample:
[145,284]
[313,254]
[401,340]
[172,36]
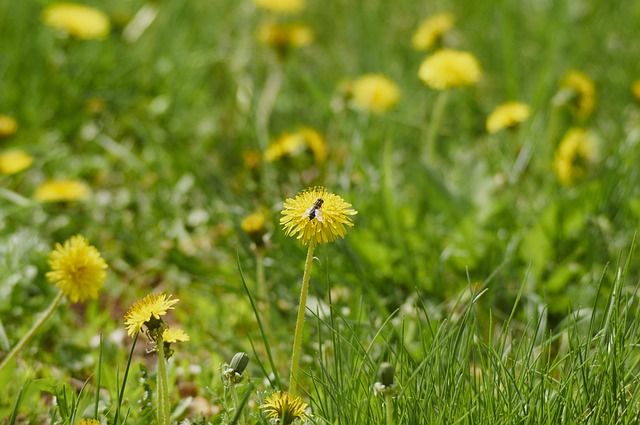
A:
[434,125]
[388,401]
[236,402]
[297,340]
[164,409]
[262,285]
[36,326]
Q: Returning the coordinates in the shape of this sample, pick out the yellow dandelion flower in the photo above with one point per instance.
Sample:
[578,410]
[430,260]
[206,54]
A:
[77,269]
[431,30]
[448,68]
[78,20]
[8,126]
[88,422]
[284,37]
[284,408]
[174,335]
[375,93]
[281,6]
[574,156]
[579,92]
[61,190]
[14,161]
[141,312]
[293,144]
[635,90]
[316,215]
[507,115]
[253,223]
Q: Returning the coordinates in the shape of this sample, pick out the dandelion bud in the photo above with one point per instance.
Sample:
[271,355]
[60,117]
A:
[239,362]
[385,382]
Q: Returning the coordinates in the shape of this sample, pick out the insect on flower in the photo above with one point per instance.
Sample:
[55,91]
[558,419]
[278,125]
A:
[314,211]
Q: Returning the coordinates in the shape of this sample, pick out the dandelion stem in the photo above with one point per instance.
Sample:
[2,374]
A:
[297,340]
[262,285]
[388,401]
[164,409]
[434,125]
[236,402]
[36,326]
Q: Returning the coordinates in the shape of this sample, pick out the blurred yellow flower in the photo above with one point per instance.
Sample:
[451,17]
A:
[77,20]
[316,215]
[174,335]
[88,422]
[61,190]
[635,90]
[142,312]
[507,115]
[14,161]
[8,126]
[284,408]
[284,37]
[574,156]
[448,68]
[77,269]
[254,226]
[578,91]
[293,144]
[431,30]
[375,93]
[281,6]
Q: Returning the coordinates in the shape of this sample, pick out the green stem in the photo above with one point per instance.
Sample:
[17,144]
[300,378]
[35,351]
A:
[262,285]
[297,339]
[388,401]
[434,125]
[164,408]
[266,102]
[236,402]
[36,326]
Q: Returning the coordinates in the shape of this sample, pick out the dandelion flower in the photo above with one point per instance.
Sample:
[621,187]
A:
[281,6]
[254,226]
[61,190]
[8,126]
[174,335]
[88,422]
[375,93]
[80,21]
[14,161]
[635,90]
[77,269]
[448,68]
[294,144]
[574,156]
[141,312]
[316,216]
[507,115]
[284,37]
[284,408]
[579,92]
[431,31]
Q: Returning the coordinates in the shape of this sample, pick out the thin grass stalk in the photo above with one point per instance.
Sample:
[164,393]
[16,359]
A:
[124,381]
[164,407]
[35,328]
[297,339]
[434,125]
[95,410]
[388,401]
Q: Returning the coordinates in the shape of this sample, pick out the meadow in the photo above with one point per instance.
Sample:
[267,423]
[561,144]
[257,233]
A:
[345,212]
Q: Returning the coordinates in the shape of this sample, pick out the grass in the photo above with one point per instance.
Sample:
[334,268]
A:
[498,294]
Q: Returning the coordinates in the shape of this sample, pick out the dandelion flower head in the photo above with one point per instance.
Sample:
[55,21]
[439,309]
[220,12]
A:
[174,335]
[574,156]
[635,90]
[284,37]
[141,312]
[8,126]
[88,422]
[579,92]
[77,269]
[448,68]
[431,30]
[284,408]
[61,190]
[316,216]
[78,20]
[507,115]
[281,6]
[375,93]
[14,161]
[296,143]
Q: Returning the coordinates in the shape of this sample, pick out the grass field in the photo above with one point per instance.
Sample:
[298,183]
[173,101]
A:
[486,270]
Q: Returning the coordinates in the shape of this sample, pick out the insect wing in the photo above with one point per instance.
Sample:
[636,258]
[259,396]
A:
[319,215]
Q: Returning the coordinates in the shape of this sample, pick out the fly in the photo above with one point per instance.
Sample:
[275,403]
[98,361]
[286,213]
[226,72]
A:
[314,211]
